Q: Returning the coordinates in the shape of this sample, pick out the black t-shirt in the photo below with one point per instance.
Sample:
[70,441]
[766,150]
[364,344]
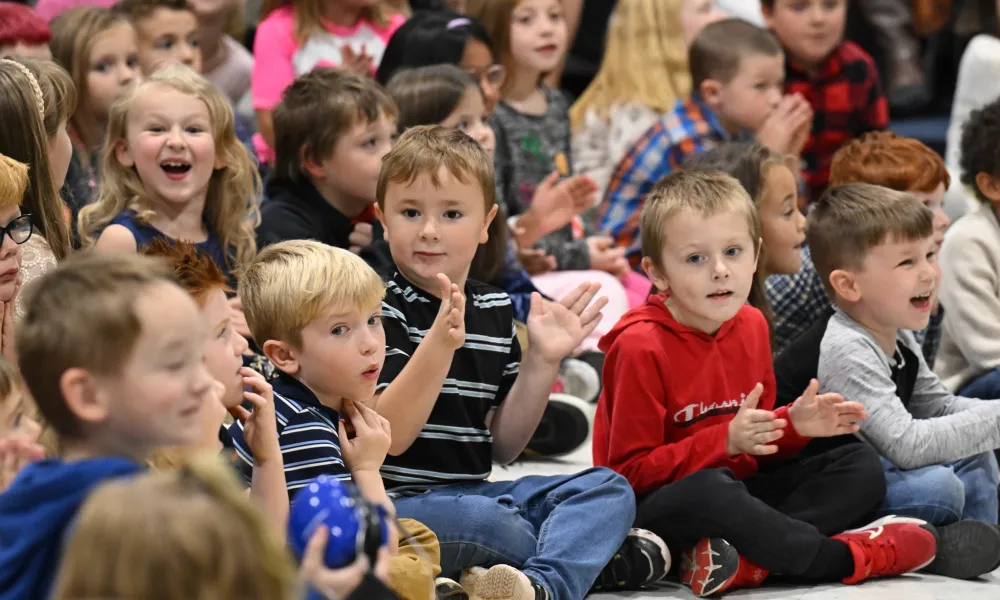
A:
[455,445]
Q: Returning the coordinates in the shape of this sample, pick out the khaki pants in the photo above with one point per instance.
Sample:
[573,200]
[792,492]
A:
[412,573]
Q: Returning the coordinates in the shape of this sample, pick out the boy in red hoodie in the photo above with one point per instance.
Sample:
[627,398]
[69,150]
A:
[686,417]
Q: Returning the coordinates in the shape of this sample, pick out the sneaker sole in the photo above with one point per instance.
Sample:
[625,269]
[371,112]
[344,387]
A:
[570,414]
[501,582]
[690,567]
[966,550]
[654,539]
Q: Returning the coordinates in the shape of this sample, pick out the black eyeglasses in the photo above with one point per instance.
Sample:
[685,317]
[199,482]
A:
[19,229]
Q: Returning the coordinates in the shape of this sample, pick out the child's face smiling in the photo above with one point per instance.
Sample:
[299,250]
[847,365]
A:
[782,224]
[808,29]
[114,63]
[706,267]
[435,229]
[170,142]
[167,37]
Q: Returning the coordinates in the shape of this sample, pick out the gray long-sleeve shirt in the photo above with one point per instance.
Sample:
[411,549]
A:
[934,426]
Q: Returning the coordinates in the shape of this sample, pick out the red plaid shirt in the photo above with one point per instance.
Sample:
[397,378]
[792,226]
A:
[847,101]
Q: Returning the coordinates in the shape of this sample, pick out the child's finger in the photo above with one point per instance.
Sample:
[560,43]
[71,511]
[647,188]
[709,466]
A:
[445,284]
[239,413]
[590,326]
[761,450]
[753,397]
[257,400]
[593,311]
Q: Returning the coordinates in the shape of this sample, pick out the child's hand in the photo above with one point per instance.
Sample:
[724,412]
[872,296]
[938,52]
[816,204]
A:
[260,427]
[359,63]
[337,584]
[365,450]
[554,205]
[824,415]
[556,328]
[535,261]
[16,452]
[604,256]
[362,235]
[240,325]
[7,348]
[751,431]
[784,123]
[449,325]
[800,132]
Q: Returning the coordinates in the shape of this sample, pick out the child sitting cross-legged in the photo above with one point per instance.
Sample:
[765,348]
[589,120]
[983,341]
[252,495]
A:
[459,397]
[111,349]
[315,310]
[686,415]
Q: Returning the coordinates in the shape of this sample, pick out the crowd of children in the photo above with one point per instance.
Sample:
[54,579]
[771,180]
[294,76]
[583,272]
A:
[413,258]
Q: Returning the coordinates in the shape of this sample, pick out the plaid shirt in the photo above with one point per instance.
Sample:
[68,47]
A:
[847,101]
[689,128]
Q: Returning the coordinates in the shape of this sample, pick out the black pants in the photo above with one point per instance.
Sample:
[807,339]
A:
[779,519]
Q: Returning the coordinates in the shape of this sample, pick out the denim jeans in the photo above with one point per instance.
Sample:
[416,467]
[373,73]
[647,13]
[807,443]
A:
[984,387]
[560,531]
[944,494]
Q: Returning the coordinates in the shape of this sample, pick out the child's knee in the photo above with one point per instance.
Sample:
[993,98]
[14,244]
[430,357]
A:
[936,487]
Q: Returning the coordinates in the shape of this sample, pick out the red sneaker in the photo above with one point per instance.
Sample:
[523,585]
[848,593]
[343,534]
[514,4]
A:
[713,566]
[889,546]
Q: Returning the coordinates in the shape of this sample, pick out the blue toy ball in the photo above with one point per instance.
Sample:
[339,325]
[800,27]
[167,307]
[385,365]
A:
[356,526]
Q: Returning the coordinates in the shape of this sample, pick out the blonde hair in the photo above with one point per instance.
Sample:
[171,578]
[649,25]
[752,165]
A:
[182,534]
[425,150]
[641,32]
[74,33]
[231,209]
[13,182]
[850,220]
[309,15]
[291,283]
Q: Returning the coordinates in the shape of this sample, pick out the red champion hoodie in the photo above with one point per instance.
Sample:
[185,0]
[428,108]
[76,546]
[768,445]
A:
[670,392]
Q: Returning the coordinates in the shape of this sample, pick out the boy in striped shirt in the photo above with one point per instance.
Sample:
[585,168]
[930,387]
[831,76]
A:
[459,396]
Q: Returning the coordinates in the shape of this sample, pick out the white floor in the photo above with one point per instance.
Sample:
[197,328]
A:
[910,587]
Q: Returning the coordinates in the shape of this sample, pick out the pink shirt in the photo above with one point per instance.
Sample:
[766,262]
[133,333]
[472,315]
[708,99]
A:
[279,59]
[48,9]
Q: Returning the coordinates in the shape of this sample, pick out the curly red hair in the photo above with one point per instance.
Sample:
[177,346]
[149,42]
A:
[194,270]
[886,159]
[21,24]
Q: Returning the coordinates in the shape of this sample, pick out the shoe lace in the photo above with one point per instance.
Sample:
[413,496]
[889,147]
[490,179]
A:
[881,555]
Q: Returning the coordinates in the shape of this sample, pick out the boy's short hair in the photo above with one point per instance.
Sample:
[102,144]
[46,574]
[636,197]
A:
[291,283]
[886,159]
[137,10]
[848,221]
[82,315]
[719,47]
[424,149]
[193,268]
[13,182]
[979,147]
[705,192]
[20,24]
[317,109]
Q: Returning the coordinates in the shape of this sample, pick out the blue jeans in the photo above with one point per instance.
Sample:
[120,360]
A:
[560,531]
[943,494]
[984,387]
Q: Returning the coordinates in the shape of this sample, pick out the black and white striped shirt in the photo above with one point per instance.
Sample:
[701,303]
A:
[455,445]
[307,434]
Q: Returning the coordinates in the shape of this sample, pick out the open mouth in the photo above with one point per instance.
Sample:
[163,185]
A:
[921,302]
[175,167]
[548,49]
[723,295]
[371,373]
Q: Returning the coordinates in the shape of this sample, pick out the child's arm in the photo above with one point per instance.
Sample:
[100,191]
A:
[409,396]
[851,366]
[364,453]
[968,290]
[876,111]
[554,330]
[116,239]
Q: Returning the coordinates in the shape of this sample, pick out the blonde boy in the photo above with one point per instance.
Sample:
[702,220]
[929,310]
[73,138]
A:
[876,252]
[316,311]
[111,350]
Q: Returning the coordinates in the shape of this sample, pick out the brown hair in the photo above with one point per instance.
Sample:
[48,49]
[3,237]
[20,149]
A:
[425,149]
[309,15]
[718,49]
[73,35]
[226,548]
[194,270]
[317,109]
[138,10]
[496,17]
[231,207]
[25,136]
[884,158]
[83,315]
[13,182]
[848,221]
[427,95]
[707,193]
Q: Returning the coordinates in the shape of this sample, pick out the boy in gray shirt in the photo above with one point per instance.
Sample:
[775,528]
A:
[875,250]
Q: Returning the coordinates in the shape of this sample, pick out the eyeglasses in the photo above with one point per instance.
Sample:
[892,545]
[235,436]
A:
[495,74]
[19,229]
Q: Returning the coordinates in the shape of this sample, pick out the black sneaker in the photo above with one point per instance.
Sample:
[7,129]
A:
[641,560]
[564,428]
[448,589]
[966,550]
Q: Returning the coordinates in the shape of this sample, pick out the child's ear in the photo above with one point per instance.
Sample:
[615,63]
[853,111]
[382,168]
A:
[845,285]
[768,12]
[83,399]
[282,356]
[309,164]
[123,155]
[655,274]
[484,235]
[380,215]
[710,90]
[989,186]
